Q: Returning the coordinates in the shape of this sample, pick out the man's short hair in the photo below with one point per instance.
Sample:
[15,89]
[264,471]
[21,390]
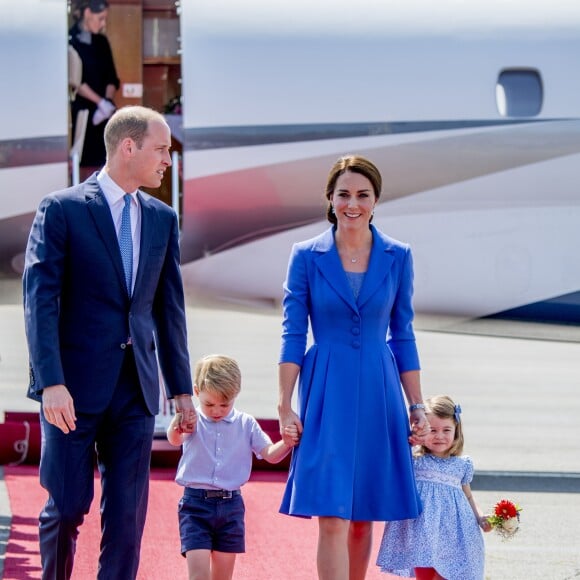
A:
[132,122]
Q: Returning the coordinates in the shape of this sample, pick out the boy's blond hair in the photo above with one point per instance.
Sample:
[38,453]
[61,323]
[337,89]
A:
[219,374]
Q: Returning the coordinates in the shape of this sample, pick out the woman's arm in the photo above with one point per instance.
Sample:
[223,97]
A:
[411,382]
[86,92]
[287,376]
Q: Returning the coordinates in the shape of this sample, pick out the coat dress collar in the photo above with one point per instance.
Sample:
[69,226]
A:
[380,262]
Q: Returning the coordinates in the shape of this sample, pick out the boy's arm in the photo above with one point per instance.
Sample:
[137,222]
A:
[175,434]
[275,452]
[481,519]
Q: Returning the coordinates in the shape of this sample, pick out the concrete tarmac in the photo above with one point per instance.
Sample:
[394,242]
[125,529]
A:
[520,401]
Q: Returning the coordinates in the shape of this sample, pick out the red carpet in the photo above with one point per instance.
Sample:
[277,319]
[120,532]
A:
[278,547]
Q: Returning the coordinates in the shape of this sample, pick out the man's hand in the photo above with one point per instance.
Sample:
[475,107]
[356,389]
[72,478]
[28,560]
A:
[184,407]
[58,408]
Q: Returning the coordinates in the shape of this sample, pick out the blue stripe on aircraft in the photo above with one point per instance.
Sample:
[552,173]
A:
[243,136]
[563,309]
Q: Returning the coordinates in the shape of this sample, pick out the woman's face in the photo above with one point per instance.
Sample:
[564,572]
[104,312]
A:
[353,200]
[95,22]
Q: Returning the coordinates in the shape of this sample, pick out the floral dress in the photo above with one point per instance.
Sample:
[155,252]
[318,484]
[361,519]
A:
[446,536]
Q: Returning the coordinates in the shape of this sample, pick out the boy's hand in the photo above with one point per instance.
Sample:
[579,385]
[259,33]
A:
[182,425]
[175,424]
[187,415]
[291,436]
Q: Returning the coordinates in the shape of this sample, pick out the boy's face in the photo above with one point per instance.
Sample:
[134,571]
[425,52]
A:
[214,405]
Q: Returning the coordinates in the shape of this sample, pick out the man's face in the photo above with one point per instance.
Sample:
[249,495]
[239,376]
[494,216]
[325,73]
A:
[150,162]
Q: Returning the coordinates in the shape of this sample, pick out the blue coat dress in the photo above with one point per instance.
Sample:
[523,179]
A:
[353,460]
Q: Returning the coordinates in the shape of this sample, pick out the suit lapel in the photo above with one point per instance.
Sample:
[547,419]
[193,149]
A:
[380,263]
[148,226]
[329,265]
[101,213]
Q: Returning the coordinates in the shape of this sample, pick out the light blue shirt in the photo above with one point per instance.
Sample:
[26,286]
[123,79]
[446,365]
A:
[219,454]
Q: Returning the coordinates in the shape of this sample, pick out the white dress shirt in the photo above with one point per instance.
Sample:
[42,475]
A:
[114,196]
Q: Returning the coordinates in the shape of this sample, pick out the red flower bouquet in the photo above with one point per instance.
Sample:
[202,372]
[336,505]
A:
[506,518]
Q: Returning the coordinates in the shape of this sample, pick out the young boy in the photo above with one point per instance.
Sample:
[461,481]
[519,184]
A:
[216,461]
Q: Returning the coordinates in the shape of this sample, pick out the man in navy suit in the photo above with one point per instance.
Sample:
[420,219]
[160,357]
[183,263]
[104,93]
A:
[96,329]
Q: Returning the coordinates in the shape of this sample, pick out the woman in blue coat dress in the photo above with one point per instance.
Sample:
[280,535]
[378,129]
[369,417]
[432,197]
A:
[353,465]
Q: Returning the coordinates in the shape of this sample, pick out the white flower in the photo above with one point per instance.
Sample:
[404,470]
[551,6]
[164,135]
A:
[510,525]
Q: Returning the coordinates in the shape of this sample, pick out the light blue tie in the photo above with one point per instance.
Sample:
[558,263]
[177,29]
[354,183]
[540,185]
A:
[126,242]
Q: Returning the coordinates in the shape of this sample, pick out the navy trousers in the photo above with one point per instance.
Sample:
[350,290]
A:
[122,437]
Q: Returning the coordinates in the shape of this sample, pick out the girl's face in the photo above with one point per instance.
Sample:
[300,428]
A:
[353,200]
[213,405]
[441,437]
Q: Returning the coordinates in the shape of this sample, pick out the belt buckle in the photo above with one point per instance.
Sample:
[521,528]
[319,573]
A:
[219,493]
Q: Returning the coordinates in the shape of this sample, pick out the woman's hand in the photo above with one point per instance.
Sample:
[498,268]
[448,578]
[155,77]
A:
[420,427]
[291,433]
[290,427]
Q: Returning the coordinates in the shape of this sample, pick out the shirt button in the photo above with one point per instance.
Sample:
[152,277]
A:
[355,330]
[123,346]
[355,344]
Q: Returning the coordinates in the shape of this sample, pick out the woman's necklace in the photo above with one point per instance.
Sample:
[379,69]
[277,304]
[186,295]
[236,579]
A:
[353,256]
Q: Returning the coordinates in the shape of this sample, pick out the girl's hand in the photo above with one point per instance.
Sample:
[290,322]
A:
[420,427]
[484,524]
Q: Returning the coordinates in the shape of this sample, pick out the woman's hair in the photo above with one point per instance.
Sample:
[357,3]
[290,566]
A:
[79,6]
[218,374]
[442,406]
[96,6]
[354,164]
[132,122]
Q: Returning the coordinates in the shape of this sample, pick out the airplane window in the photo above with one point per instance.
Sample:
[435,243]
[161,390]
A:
[519,93]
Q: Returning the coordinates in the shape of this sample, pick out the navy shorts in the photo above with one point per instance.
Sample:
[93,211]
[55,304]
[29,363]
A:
[210,522]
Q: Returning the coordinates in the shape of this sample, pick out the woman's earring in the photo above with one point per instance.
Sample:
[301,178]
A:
[332,208]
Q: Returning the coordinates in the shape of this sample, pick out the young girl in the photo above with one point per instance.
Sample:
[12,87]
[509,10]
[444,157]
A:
[445,541]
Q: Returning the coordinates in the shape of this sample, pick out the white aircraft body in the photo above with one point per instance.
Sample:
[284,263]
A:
[470,109]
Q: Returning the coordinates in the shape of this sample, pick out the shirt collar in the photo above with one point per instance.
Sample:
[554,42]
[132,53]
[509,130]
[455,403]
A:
[113,193]
[229,418]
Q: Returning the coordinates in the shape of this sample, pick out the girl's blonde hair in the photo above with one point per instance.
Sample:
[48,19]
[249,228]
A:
[442,406]
[219,374]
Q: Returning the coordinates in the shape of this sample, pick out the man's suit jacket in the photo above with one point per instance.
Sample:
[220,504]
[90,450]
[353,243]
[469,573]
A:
[78,313]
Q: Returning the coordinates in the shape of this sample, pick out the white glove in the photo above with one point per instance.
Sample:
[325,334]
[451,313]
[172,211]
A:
[104,110]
